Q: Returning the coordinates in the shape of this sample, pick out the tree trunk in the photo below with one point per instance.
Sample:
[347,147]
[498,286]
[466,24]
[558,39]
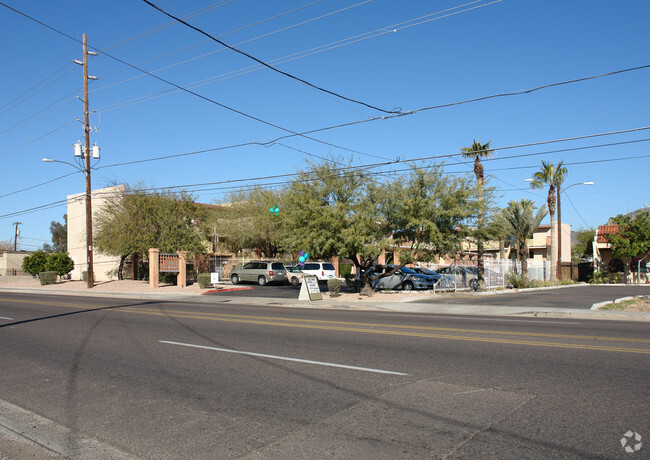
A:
[553,249]
[479,242]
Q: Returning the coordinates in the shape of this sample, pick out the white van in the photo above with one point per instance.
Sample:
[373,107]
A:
[322,270]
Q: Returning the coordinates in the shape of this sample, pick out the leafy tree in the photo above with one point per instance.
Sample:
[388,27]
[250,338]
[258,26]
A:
[349,213]
[134,221]
[59,262]
[247,222]
[478,151]
[35,263]
[633,236]
[428,212]
[583,242]
[59,235]
[521,221]
[329,211]
[552,176]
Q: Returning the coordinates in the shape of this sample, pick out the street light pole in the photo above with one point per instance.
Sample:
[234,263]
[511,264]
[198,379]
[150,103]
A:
[559,226]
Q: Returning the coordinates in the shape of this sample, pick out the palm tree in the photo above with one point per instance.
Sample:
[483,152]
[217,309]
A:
[478,151]
[521,221]
[552,176]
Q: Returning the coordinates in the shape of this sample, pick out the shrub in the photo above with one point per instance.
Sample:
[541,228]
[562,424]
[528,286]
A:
[334,286]
[168,278]
[345,270]
[48,277]
[60,263]
[84,276]
[35,263]
[518,281]
[566,282]
[204,280]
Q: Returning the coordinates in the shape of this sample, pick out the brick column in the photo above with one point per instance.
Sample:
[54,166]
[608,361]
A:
[154,266]
[381,260]
[396,258]
[181,278]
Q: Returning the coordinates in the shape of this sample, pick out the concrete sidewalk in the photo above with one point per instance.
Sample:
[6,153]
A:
[223,293]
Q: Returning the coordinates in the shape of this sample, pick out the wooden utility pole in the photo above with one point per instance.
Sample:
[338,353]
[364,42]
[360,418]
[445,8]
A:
[16,236]
[86,153]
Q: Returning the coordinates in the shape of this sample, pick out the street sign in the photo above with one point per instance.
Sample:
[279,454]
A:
[310,289]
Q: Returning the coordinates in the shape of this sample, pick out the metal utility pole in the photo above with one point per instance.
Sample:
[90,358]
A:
[89,211]
[16,236]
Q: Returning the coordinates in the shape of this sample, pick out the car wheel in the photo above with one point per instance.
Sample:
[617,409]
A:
[234,279]
[261,281]
[295,281]
[473,285]
[407,286]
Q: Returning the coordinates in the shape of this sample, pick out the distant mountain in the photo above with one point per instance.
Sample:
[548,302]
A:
[633,214]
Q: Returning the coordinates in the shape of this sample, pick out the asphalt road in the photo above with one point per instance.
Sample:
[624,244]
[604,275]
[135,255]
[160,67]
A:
[224,380]
[581,296]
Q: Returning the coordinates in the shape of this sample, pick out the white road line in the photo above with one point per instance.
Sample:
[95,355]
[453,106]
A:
[10,319]
[284,358]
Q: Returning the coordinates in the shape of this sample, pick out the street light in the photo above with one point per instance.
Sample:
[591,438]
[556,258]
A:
[559,224]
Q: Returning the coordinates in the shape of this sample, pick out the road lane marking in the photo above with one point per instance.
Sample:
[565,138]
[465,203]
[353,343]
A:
[352,327]
[4,317]
[472,318]
[297,321]
[285,358]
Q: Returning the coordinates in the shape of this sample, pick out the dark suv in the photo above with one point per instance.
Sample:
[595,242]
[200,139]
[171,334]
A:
[260,272]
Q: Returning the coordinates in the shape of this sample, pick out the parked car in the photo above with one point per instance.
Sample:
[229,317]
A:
[464,276]
[294,274]
[322,270]
[404,278]
[261,272]
[442,281]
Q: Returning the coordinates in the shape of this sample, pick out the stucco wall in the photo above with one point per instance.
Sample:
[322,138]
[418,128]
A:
[102,263]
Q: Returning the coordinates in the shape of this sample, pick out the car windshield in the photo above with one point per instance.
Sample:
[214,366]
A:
[408,270]
[426,271]
[277,266]
[293,269]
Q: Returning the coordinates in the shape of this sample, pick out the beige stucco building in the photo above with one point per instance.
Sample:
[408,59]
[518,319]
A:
[104,266]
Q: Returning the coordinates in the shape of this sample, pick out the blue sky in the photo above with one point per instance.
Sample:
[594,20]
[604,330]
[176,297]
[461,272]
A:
[391,55]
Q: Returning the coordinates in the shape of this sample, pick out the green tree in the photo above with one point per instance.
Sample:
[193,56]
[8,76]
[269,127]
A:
[632,238]
[247,222]
[349,213]
[428,212]
[59,235]
[35,263]
[134,221]
[553,177]
[521,221]
[328,210]
[583,242]
[478,151]
[59,262]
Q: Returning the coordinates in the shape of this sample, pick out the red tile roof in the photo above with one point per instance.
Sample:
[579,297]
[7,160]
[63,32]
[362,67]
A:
[605,230]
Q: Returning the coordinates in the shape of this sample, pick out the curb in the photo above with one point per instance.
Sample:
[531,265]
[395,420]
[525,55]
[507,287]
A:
[214,291]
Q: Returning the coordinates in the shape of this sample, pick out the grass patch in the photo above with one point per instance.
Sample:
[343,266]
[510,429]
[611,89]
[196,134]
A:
[636,304]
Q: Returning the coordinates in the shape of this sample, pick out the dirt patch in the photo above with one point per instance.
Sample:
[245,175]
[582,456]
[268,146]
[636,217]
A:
[640,304]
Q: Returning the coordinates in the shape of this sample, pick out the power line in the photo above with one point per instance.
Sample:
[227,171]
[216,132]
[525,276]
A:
[205,98]
[269,66]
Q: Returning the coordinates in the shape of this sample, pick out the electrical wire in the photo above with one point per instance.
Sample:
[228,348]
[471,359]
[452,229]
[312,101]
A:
[269,66]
